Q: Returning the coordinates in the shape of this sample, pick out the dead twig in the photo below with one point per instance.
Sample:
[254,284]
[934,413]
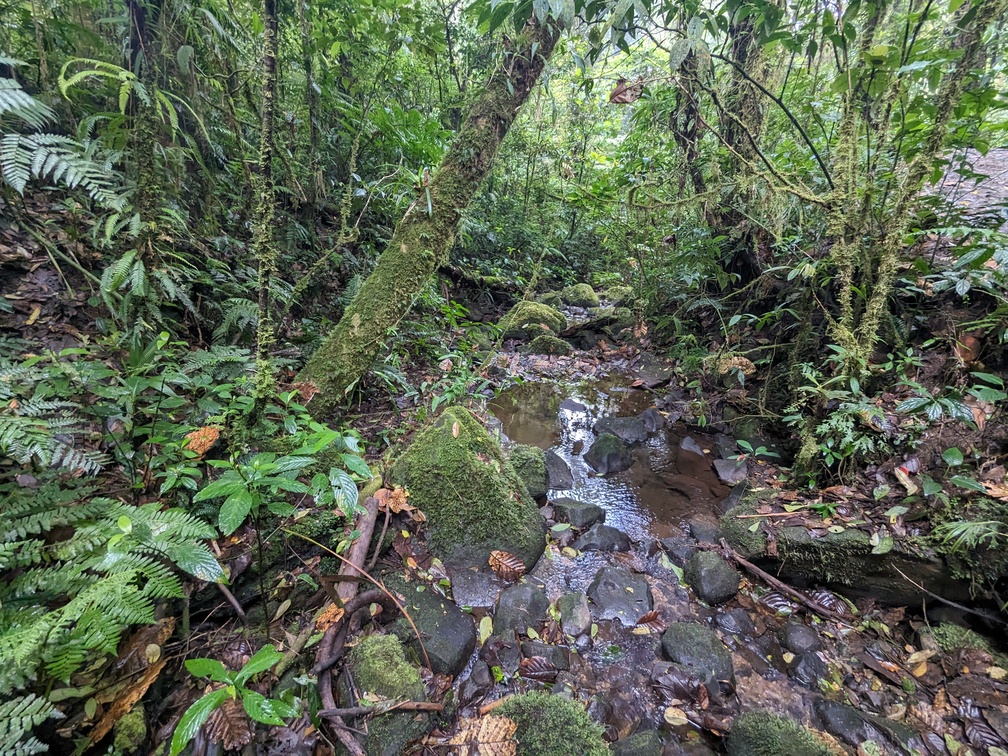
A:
[356,711]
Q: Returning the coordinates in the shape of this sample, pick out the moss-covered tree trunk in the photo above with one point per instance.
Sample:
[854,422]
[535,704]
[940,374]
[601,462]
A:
[427,231]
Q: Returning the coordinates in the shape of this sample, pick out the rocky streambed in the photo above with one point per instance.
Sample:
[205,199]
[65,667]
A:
[577,583]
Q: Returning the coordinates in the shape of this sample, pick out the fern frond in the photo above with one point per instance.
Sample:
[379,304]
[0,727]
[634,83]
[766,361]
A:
[15,103]
[18,717]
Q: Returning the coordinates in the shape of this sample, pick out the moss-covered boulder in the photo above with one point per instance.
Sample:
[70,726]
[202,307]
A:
[530,464]
[738,535]
[474,500]
[553,726]
[378,666]
[526,320]
[617,294]
[551,298]
[548,344]
[695,646]
[608,454]
[579,295]
[760,733]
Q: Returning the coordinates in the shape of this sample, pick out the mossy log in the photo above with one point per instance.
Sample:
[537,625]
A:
[427,231]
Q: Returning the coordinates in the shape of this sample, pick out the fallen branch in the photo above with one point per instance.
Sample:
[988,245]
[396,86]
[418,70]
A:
[356,711]
[960,607]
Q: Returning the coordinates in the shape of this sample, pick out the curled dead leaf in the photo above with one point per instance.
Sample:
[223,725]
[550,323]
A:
[203,439]
[329,617]
[507,566]
[491,735]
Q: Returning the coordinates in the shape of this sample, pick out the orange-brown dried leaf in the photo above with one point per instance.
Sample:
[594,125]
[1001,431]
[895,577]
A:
[652,622]
[203,439]
[133,655]
[329,617]
[507,566]
[491,735]
[229,725]
[306,390]
[537,668]
[393,500]
[124,703]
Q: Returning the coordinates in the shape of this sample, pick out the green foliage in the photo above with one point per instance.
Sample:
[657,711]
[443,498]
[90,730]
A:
[271,711]
[100,562]
[18,717]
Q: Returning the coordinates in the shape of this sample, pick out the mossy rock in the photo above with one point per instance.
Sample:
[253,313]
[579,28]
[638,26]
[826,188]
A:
[736,532]
[378,665]
[760,733]
[617,295]
[551,298]
[130,732]
[548,344]
[553,726]
[527,320]
[579,295]
[530,464]
[474,500]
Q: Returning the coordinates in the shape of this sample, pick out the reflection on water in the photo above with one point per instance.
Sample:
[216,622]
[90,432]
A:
[665,486]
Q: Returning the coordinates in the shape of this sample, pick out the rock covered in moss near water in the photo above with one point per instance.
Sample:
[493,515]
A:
[579,514]
[474,500]
[527,320]
[548,344]
[617,294]
[553,726]
[617,593]
[760,733]
[377,665]
[697,647]
[712,579]
[579,295]
[608,455]
[530,464]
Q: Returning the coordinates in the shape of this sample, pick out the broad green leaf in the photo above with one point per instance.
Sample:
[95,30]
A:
[270,711]
[968,483]
[207,668]
[356,465]
[952,456]
[234,511]
[227,485]
[197,560]
[263,659]
[194,718]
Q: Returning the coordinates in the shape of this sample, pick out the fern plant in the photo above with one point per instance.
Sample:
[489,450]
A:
[80,570]
[52,157]
[18,717]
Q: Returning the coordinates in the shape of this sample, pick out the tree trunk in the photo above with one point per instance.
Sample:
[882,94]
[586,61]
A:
[263,246]
[427,231]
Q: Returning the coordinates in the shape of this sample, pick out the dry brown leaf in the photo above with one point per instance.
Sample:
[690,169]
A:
[394,499]
[507,566]
[652,622]
[203,439]
[306,390]
[229,725]
[329,617]
[455,429]
[537,668]
[491,735]
[124,703]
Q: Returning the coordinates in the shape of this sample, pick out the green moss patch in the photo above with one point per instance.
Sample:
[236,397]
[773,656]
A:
[530,464]
[579,295]
[530,319]
[760,733]
[548,344]
[553,726]
[474,500]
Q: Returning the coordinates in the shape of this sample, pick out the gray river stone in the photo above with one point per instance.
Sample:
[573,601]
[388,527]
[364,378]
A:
[558,656]
[519,608]
[629,429]
[572,405]
[653,419]
[620,594]
[688,444]
[800,638]
[601,537]
[679,550]
[609,454]
[558,473]
[712,579]
[731,471]
[478,684]
[575,616]
[855,727]
[697,647]
[735,622]
[579,514]
[808,669]
[448,632]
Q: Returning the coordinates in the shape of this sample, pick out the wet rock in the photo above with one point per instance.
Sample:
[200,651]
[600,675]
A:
[800,638]
[808,669]
[704,528]
[575,616]
[558,473]
[854,727]
[558,656]
[697,647]
[586,339]
[572,405]
[474,500]
[601,537]
[477,684]
[519,608]
[546,343]
[530,464]
[688,444]
[679,550]
[474,587]
[609,454]
[734,498]
[552,725]
[735,622]
[579,514]
[526,320]
[378,666]
[579,295]
[631,430]
[652,371]
[448,632]
[642,744]
[712,579]
[725,445]
[653,419]
[731,471]
[736,532]
[620,594]
[502,650]
[760,733]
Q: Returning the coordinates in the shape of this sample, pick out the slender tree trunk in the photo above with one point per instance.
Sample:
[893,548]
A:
[427,231]
[263,246]
[311,101]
